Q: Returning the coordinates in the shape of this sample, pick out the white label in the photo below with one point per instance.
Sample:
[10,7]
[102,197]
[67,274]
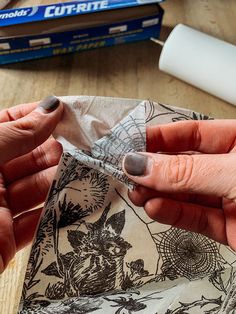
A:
[40,41]
[81,36]
[118,29]
[4,46]
[151,22]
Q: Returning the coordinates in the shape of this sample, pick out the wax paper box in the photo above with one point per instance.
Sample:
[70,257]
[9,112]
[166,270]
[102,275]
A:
[54,27]
[94,251]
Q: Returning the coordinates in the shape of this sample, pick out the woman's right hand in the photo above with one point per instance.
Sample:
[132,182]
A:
[196,192]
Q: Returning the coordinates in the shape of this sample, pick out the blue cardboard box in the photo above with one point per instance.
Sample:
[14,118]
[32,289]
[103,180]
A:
[66,27]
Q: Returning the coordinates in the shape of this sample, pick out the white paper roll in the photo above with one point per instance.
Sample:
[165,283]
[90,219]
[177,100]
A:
[201,60]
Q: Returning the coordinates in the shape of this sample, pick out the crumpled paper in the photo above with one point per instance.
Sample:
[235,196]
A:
[94,251]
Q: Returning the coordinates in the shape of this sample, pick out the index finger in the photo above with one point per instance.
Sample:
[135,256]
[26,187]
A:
[16,112]
[208,136]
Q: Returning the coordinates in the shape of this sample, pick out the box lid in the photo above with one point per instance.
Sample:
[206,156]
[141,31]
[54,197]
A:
[62,9]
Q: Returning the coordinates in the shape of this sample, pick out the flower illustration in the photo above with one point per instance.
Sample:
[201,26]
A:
[70,213]
[96,263]
[137,268]
[55,291]
[136,274]
[92,189]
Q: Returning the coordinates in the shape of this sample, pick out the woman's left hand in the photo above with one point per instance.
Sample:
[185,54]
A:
[28,162]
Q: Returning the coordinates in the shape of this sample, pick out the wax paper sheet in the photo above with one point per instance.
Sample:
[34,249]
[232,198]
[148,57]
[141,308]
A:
[94,251]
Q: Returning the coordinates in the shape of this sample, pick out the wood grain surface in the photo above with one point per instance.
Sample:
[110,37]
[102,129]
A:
[122,71]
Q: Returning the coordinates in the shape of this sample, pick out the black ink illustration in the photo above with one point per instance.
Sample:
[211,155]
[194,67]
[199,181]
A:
[117,303]
[131,303]
[68,174]
[91,194]
[43,243]
[97,263]
[198,304]
[107,153]
[173,114]
[86,257]
[81,305]
[187,254]
[135,276]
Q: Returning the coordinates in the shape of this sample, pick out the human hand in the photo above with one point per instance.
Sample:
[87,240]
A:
[28,162]
[192,191]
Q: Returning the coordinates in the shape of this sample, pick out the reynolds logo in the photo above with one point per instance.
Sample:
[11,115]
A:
[54,10]
[18,13]
[13,14]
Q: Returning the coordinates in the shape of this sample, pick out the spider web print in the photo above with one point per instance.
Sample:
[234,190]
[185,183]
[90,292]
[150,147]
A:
[106,155]
[190,254]
[182,253]
[96,252]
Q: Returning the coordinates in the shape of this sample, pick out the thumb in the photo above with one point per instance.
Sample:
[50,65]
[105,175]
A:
[23,135]
[198,173]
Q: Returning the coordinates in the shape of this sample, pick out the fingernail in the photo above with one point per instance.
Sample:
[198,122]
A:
[135,164]
[49,104]
[1,265]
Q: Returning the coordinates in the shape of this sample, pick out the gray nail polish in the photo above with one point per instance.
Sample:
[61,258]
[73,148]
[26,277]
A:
[135,164]
[49,104]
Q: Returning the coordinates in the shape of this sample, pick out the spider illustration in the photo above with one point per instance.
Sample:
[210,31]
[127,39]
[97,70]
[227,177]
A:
[130,305]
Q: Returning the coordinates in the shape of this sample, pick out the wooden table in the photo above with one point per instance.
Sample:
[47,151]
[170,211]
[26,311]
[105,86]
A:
[121,71]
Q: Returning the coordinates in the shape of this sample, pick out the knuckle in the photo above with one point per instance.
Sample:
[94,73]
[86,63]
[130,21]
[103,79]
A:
[152,208]
[136,199]
[179,170]
[26,130]
[196,135]
[39,158]
[42,184]
[8,115]
[28,127]
[29,124]
[139,196]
